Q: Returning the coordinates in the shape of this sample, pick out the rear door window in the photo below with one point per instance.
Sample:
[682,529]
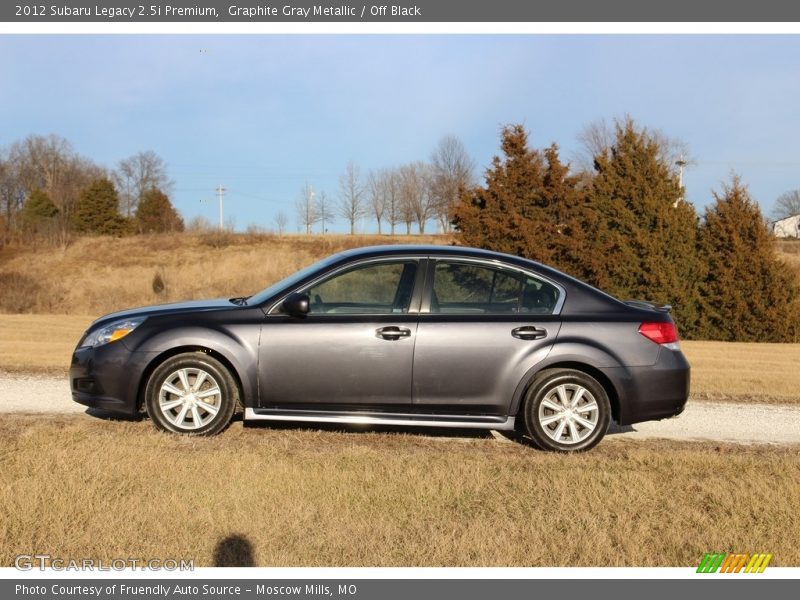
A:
[466,288]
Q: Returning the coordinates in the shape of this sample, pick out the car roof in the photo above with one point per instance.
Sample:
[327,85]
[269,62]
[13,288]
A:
[436,250]
[425,249]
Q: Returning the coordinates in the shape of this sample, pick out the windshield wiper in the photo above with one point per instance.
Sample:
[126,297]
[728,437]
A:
[240,300]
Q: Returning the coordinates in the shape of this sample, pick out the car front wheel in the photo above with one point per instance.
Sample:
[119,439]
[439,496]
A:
[566,411]
[192,394]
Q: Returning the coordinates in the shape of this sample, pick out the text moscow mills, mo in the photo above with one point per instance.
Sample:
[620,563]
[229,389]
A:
[251,12]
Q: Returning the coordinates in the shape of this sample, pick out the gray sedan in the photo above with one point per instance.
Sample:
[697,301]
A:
[395,335]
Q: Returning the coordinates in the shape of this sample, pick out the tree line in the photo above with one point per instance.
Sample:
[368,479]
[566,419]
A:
[49,192]
[396,198]
[625,226]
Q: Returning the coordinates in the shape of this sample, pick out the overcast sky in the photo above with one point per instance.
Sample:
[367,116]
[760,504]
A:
[264,114]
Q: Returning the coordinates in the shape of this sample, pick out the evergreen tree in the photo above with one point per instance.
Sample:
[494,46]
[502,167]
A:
[530,206]
[643,239]
[39,212]
[567,217]
[500,215]
[155,213]
[96,210]
[749,295]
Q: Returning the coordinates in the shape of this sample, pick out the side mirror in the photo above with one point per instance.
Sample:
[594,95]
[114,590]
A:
[295,305]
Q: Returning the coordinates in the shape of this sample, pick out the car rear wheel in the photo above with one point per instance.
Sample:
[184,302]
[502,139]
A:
[566,411]
[192,394]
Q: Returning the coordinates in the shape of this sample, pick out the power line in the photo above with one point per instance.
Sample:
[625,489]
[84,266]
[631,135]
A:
[747,163]
[251,196]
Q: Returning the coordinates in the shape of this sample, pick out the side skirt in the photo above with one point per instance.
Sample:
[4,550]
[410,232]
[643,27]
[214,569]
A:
[374,418]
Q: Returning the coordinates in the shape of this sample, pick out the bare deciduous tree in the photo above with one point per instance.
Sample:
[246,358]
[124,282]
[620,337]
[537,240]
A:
[787,205]
[391,182]
[40,161]
[351,196]
[376,186]
[415,196]
[324,211]
[307,208]
[598,137]
[451,172]
[138,174]
[281,221]
[12,195]
[50,164]
[199,224]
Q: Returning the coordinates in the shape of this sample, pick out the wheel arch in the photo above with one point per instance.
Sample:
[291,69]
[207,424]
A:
[187,349]
[577,365]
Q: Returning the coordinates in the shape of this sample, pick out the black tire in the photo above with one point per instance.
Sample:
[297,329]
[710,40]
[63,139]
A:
[191,413]
[545,412]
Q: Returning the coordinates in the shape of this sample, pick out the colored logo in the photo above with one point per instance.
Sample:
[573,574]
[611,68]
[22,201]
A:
[733,563]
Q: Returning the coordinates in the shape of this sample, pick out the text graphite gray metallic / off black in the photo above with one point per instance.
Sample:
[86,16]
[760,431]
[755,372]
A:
[395,335]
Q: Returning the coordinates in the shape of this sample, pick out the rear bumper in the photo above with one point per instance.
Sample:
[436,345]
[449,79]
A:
[654,392]
[107,377]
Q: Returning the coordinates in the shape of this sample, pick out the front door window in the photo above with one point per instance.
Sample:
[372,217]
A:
[372,289]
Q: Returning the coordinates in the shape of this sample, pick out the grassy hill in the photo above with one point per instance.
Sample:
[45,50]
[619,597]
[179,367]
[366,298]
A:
[789,251]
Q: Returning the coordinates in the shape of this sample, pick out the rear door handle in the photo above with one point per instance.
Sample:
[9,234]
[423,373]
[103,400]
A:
[393,333]
[529,332]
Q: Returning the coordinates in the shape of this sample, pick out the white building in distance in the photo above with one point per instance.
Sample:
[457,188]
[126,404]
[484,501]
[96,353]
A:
[787,228]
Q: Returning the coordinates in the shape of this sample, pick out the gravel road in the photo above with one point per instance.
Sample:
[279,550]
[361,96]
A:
[724,422]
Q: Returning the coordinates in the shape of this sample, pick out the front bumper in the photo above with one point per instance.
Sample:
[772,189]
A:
[108,377]
[654,392]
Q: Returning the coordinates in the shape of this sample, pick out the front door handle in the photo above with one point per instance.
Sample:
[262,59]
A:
[529,332]
[393,333]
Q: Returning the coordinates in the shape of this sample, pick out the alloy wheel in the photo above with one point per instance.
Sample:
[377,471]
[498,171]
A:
[189,398]
[568,413]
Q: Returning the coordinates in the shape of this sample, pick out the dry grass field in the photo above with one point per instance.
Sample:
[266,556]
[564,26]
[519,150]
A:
[39,343]
[734,371]
[789,252]
[69,487]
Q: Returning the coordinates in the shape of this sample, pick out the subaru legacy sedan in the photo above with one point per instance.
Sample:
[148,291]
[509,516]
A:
[419,336]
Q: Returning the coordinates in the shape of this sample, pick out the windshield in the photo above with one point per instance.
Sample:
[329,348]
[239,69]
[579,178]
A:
[290,281]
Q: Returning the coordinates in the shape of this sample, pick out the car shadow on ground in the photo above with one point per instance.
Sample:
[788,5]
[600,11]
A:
[615,428]
[427,432]
[438,432]
[105,415]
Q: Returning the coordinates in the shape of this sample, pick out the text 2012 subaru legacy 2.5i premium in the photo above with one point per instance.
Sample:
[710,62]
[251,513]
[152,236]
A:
[395,335]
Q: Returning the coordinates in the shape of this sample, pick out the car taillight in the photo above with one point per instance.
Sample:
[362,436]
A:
[664,333]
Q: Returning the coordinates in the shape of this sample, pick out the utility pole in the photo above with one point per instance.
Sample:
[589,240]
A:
[221,197]
[681,163]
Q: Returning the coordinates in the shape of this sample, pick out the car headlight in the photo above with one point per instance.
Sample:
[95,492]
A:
[111,332]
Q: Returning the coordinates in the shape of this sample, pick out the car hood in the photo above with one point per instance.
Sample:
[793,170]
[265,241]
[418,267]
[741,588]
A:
[168,309]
